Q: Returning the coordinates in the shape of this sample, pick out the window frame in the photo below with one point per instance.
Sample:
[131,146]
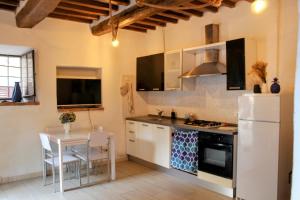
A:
[21,78]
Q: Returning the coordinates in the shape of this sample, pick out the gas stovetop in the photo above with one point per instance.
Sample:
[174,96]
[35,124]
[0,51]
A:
[204,123]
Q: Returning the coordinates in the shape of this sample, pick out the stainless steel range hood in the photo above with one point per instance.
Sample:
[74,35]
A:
[211,65]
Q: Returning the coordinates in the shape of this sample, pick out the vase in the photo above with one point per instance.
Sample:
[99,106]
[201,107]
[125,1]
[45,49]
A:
[256,88]
[67,127]
[17,94]
[275,87]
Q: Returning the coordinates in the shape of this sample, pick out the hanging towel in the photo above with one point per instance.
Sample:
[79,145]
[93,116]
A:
[184,154]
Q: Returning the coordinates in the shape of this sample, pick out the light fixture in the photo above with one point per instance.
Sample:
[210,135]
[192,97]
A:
[259,6]
[114,23]
[115,42]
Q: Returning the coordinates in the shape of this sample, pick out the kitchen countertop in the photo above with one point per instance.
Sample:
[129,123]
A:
[228,129]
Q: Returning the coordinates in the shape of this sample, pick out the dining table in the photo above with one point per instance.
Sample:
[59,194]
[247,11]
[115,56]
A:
[79,137]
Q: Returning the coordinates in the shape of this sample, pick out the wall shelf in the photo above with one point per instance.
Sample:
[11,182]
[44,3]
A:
[19,103]
[79,109]
[72,72]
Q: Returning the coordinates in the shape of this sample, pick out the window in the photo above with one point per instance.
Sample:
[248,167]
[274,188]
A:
[10,72]
[17,69]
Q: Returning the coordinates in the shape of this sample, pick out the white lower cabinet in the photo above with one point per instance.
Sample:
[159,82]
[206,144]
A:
[145,144]
[131,140]
[162,140]
[149,142]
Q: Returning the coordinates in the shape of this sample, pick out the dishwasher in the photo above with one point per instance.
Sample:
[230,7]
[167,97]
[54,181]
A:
[184,154]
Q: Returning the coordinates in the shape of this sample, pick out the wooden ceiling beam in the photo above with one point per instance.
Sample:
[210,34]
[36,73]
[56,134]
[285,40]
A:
[133,15]
[75,14]
[80,9]
[91,4]
[191,12]
[228,3]
[34,11]
[74,19]
[208,8]
[171,14]
[142,30]
[160,18]
[152,23]
[139,25]
[10,2]
[117,2]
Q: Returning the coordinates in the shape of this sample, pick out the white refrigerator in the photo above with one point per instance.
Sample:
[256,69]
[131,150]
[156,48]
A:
[258,146]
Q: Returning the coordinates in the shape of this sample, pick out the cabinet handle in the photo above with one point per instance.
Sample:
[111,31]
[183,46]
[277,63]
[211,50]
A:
[145,125]
[160,127]
[131,131]
[155,89]
[142,89]
[131,140]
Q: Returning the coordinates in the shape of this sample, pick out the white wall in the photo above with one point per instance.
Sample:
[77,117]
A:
[287,63]
[296,161]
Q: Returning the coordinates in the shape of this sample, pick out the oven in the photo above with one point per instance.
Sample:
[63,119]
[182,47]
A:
[216,154]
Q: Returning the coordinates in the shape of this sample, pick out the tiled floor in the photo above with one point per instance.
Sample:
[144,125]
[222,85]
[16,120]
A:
[134,182]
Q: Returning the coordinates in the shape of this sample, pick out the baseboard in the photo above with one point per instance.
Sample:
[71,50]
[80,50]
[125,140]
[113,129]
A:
[10,179]
[5,180]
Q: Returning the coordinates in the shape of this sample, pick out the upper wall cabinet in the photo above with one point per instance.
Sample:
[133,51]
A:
[240,56]
[173,69]
[150,73]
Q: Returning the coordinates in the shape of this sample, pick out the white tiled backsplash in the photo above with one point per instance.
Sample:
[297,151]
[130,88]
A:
[210,100]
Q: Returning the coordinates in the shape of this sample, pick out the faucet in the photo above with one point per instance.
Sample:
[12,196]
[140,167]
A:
[159,113]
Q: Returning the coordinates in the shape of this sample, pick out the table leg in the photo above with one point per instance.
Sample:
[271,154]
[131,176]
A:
[61,167]
[112,158]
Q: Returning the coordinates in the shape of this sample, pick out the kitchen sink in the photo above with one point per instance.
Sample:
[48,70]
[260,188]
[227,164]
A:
[155,119]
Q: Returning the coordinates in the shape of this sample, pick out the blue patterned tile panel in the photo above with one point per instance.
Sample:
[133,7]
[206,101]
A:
[184,155]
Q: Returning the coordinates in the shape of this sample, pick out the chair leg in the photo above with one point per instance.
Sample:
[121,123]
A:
[88,171]
[44,172]
[53,175]
[108,169]
[79,171]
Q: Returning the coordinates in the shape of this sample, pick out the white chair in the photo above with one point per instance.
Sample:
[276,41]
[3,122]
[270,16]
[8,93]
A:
[50,158]
[98,150]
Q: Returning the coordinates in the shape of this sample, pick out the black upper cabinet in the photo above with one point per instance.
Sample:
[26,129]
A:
[150,73]
[235,59]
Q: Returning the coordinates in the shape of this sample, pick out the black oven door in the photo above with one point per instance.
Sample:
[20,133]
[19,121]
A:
[216,158]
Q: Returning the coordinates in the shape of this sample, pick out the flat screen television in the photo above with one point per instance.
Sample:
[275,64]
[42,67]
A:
[78,92]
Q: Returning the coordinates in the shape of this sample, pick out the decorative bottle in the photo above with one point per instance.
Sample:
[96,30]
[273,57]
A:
[275,87]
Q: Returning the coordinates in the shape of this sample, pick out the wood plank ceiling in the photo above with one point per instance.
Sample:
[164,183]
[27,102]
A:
[88,11]
[85,11]
[172,16]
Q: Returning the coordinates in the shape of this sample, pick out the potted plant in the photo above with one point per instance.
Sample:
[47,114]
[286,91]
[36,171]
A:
[66,119]
[258,77]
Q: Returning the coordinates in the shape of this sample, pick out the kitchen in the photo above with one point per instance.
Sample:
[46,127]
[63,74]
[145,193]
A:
[210,100]
[213,151]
